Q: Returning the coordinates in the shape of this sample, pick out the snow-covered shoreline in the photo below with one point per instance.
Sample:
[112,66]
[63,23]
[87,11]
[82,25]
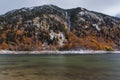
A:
[59,52]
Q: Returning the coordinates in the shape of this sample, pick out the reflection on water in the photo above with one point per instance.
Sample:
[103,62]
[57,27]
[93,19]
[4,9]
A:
[60,67]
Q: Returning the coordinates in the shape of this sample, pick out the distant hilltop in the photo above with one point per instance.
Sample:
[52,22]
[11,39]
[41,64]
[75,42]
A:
[49,27]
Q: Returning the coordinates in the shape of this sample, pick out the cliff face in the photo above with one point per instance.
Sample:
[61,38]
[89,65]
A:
[49,27]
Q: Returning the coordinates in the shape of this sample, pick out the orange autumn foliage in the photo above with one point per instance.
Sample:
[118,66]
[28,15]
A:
[4,45]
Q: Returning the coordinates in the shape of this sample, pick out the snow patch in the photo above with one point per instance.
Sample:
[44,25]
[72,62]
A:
[82,19]
[81,13]
[59,52]
[68,17]
[96,26]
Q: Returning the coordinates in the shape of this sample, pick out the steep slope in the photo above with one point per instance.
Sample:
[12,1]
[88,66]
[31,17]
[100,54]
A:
[38,28]
[49,27]
[96,30]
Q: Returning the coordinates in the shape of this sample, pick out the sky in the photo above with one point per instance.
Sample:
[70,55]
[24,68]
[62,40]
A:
[110,7]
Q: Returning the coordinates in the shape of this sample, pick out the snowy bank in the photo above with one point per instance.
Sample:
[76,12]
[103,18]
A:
[58,52]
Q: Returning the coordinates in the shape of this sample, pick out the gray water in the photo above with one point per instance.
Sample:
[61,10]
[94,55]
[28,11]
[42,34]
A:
[60,67]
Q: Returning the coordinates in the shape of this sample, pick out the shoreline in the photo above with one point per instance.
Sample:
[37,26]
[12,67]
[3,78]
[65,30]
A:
[59,52]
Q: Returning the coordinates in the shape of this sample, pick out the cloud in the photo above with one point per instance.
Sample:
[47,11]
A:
[110,7]
[118,15]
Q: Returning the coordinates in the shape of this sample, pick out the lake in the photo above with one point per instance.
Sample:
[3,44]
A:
[60,67]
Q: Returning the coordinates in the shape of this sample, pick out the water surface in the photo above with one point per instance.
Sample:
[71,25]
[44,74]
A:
[60,67]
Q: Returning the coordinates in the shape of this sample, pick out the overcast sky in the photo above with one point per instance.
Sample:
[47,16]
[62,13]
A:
[110,7]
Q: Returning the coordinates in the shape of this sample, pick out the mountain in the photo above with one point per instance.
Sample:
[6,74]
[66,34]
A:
[49,27]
